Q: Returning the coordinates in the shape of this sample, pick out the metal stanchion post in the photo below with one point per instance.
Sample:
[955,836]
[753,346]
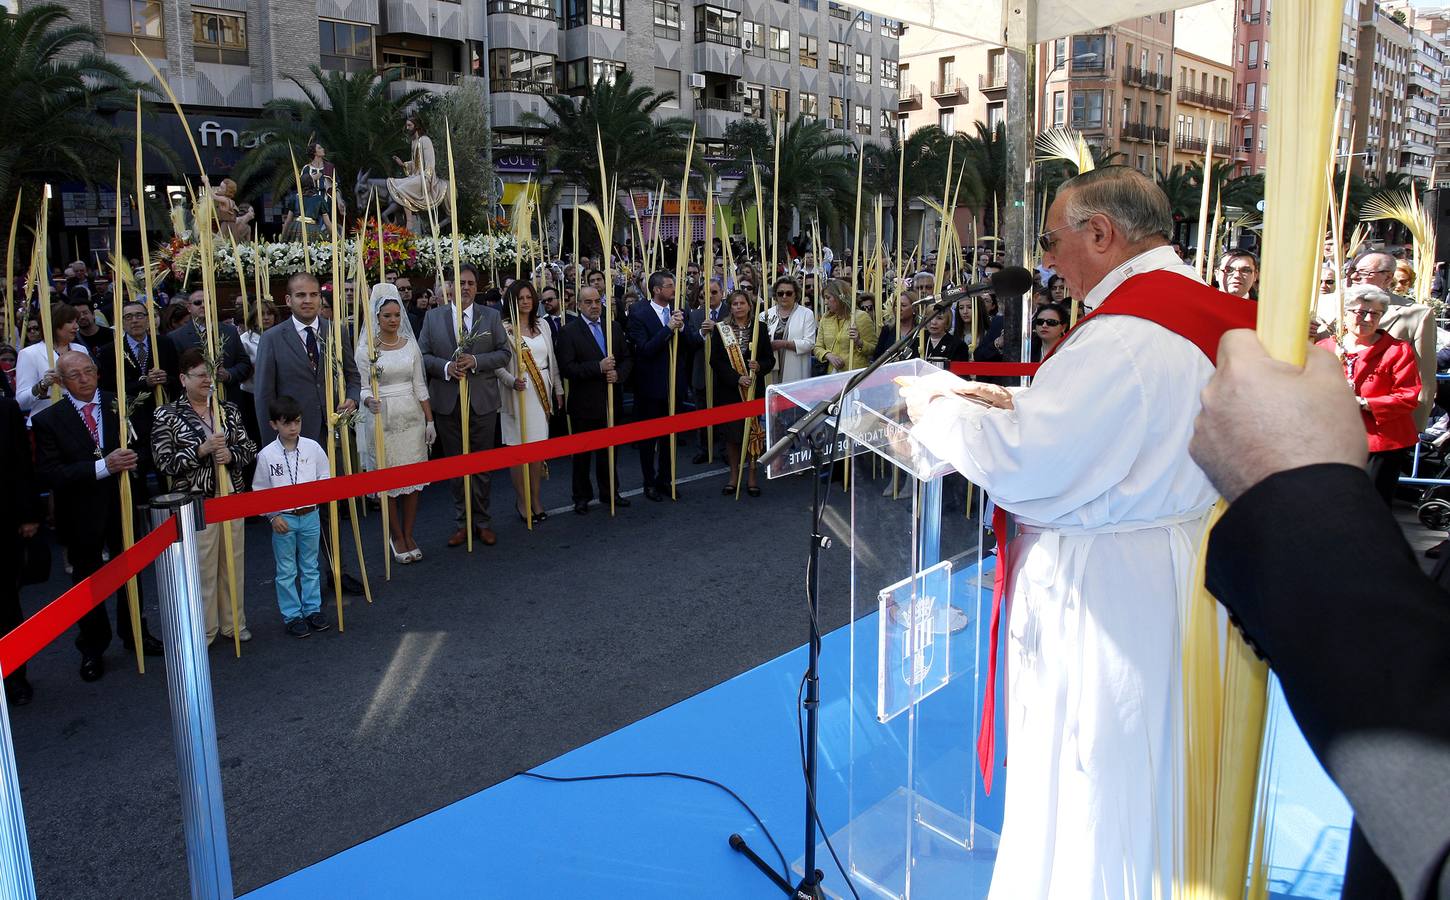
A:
[193,721]
[17,881]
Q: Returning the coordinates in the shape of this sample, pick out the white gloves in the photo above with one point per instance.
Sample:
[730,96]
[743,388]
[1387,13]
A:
[430,433]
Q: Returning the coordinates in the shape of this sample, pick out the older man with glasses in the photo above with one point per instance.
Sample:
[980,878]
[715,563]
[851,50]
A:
[1405,319]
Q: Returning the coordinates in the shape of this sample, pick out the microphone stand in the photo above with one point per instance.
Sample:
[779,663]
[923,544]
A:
[822,442]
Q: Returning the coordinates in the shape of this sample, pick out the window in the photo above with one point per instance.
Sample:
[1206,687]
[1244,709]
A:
[1253,54]
[1059,107]
[754,33]
[667,19]
[521,71]
[946,120]
[1087,109]
[1059,53]
[1251,94]
[1127,108]
[863,120]
[780,44]
[809,105]
[717,25]
[836,57]
[346,47]
[755,101]
[837,109]
[138,20]
[887,121]
[810,5]
[1089,52]
[863,68]
[996,115]
[604,13]
[863,23]
[810,52]
[779,103]
[890,74]
[1263,137]
[219,37]
[891,28]
[538,9]
[580,74]
[667,81]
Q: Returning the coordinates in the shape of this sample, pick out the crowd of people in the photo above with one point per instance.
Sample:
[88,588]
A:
[540,358]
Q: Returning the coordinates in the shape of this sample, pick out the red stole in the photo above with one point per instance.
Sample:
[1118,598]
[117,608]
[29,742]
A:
[1190,309]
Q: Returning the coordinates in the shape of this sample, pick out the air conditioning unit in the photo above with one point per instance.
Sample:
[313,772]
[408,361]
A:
[697,81]
[747,44]
[738,88]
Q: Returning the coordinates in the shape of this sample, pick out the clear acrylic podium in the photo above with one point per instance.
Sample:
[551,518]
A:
[898,742]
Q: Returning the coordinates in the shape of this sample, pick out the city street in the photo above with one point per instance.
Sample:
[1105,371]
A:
[462,672]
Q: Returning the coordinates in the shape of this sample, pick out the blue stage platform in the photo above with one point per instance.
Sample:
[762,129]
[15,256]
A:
[666,838]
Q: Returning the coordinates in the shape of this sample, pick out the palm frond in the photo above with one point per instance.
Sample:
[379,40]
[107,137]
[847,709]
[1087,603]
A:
[1065,145]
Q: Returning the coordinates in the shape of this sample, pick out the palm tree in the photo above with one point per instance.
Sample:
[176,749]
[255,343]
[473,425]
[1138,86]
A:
[927,150]
[817,174]
[987,149]
[58,91]
[349,113]
[638,151]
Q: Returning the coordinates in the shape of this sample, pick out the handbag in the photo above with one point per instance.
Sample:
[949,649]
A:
[34,559]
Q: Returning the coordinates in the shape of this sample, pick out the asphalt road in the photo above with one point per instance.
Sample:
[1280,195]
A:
[464,670]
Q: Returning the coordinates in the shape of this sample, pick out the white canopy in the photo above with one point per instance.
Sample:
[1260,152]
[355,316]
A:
[986,20]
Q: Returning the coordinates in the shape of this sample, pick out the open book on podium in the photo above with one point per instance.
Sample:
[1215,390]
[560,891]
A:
[900,710]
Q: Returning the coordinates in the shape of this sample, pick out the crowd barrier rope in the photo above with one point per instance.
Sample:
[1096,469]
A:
[52,620]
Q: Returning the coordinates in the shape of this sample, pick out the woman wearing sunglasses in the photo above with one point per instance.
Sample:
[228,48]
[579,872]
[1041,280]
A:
[1048,328]
[792,332]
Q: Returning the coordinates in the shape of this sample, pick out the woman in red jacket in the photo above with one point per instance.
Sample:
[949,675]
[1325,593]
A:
[1386,381]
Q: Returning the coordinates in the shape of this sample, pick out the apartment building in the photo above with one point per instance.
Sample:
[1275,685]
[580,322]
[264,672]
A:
[1381,73]
[1203,58]
[950,83]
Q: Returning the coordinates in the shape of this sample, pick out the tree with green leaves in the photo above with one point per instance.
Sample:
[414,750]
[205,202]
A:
[817,174]
[59,91]
[613,114]
[463,113]
[349,113]
[987,148]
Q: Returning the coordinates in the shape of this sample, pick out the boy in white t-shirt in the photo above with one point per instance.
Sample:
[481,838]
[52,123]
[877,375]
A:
[293,459]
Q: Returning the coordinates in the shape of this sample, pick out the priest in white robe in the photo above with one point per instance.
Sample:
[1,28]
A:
[1092,461]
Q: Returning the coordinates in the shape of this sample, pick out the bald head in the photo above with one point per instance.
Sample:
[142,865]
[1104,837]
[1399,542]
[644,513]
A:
[590,305]
[77,373]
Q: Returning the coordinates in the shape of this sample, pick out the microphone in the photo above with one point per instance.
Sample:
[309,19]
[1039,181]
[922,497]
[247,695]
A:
[1012,281]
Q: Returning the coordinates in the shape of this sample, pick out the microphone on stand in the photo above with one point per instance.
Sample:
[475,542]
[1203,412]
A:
[1012,281]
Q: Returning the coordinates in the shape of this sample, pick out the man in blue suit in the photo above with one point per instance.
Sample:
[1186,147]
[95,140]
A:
[651,324]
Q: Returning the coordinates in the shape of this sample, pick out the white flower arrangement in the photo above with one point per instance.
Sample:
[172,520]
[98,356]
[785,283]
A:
[283,259]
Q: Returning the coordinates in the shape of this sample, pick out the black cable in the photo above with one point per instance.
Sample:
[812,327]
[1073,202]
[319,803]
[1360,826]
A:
[815,810]
[785,867]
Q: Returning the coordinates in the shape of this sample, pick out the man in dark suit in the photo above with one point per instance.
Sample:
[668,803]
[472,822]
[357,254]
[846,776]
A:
[651,325]
[293,360]
[487,348]
[236,366]
[583,359]
[20,514]
[1315,572]
[78,456]
[698,324]
[145,369]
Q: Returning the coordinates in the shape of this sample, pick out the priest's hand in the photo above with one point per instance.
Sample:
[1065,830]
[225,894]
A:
[920,392]
[1261,416]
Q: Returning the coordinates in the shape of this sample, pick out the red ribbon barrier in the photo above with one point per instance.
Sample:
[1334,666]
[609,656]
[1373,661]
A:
[51,621]
[17,647]
[994,370]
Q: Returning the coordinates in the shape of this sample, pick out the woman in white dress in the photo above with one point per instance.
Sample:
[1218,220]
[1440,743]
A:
[401,398]
[530,387]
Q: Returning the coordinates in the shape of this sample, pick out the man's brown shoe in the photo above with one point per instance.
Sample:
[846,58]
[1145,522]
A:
[458,538]
[486,535]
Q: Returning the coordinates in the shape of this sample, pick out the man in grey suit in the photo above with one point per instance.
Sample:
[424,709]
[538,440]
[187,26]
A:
[292,361]
[445,362]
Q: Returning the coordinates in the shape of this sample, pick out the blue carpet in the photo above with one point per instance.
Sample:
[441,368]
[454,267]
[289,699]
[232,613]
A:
[667,838]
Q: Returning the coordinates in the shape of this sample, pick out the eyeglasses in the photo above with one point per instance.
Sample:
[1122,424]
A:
[1047,243]
[785,293]
[1238,270]
[202,374]
[1038,323]
[133,317]
[198,303]
[1367,273]
[1362,313]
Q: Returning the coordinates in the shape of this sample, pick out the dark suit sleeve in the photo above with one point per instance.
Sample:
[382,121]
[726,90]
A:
[234,356]
[574,368]
[30,509]
[502,353]
[351,377]
[264,388]
[1315,571]
[51,468]
[645,346]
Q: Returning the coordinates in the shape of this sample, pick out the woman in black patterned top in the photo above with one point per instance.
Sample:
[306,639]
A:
[187,446]
[735,366]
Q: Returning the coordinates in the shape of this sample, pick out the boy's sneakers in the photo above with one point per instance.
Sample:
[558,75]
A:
[298,628]
[317,622]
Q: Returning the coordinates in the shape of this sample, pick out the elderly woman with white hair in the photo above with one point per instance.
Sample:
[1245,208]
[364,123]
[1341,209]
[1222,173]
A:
[1386,381]
[394,388]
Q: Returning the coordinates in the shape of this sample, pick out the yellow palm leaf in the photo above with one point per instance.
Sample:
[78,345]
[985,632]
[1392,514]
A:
[1066,145]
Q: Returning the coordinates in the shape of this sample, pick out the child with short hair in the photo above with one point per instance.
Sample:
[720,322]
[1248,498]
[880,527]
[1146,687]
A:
[294,459]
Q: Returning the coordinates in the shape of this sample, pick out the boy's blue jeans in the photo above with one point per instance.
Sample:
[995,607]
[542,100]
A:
[299,581]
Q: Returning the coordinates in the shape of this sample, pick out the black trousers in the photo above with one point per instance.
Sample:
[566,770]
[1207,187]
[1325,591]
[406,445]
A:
[95,626]
[655,464]
[482,429]
[1385,467]
[10,614]
[583,488]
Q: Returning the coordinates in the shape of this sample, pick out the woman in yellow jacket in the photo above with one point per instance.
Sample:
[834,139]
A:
[846,335]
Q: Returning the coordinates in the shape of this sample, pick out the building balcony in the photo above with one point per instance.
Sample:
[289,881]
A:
[713,116]
[994,81]
[1190,144]
[521,86]
[1138,131]
[1205,99]
[1243,111]
[714,58]
[1088,66]
[909,99]
[1153,81]
[950,91]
